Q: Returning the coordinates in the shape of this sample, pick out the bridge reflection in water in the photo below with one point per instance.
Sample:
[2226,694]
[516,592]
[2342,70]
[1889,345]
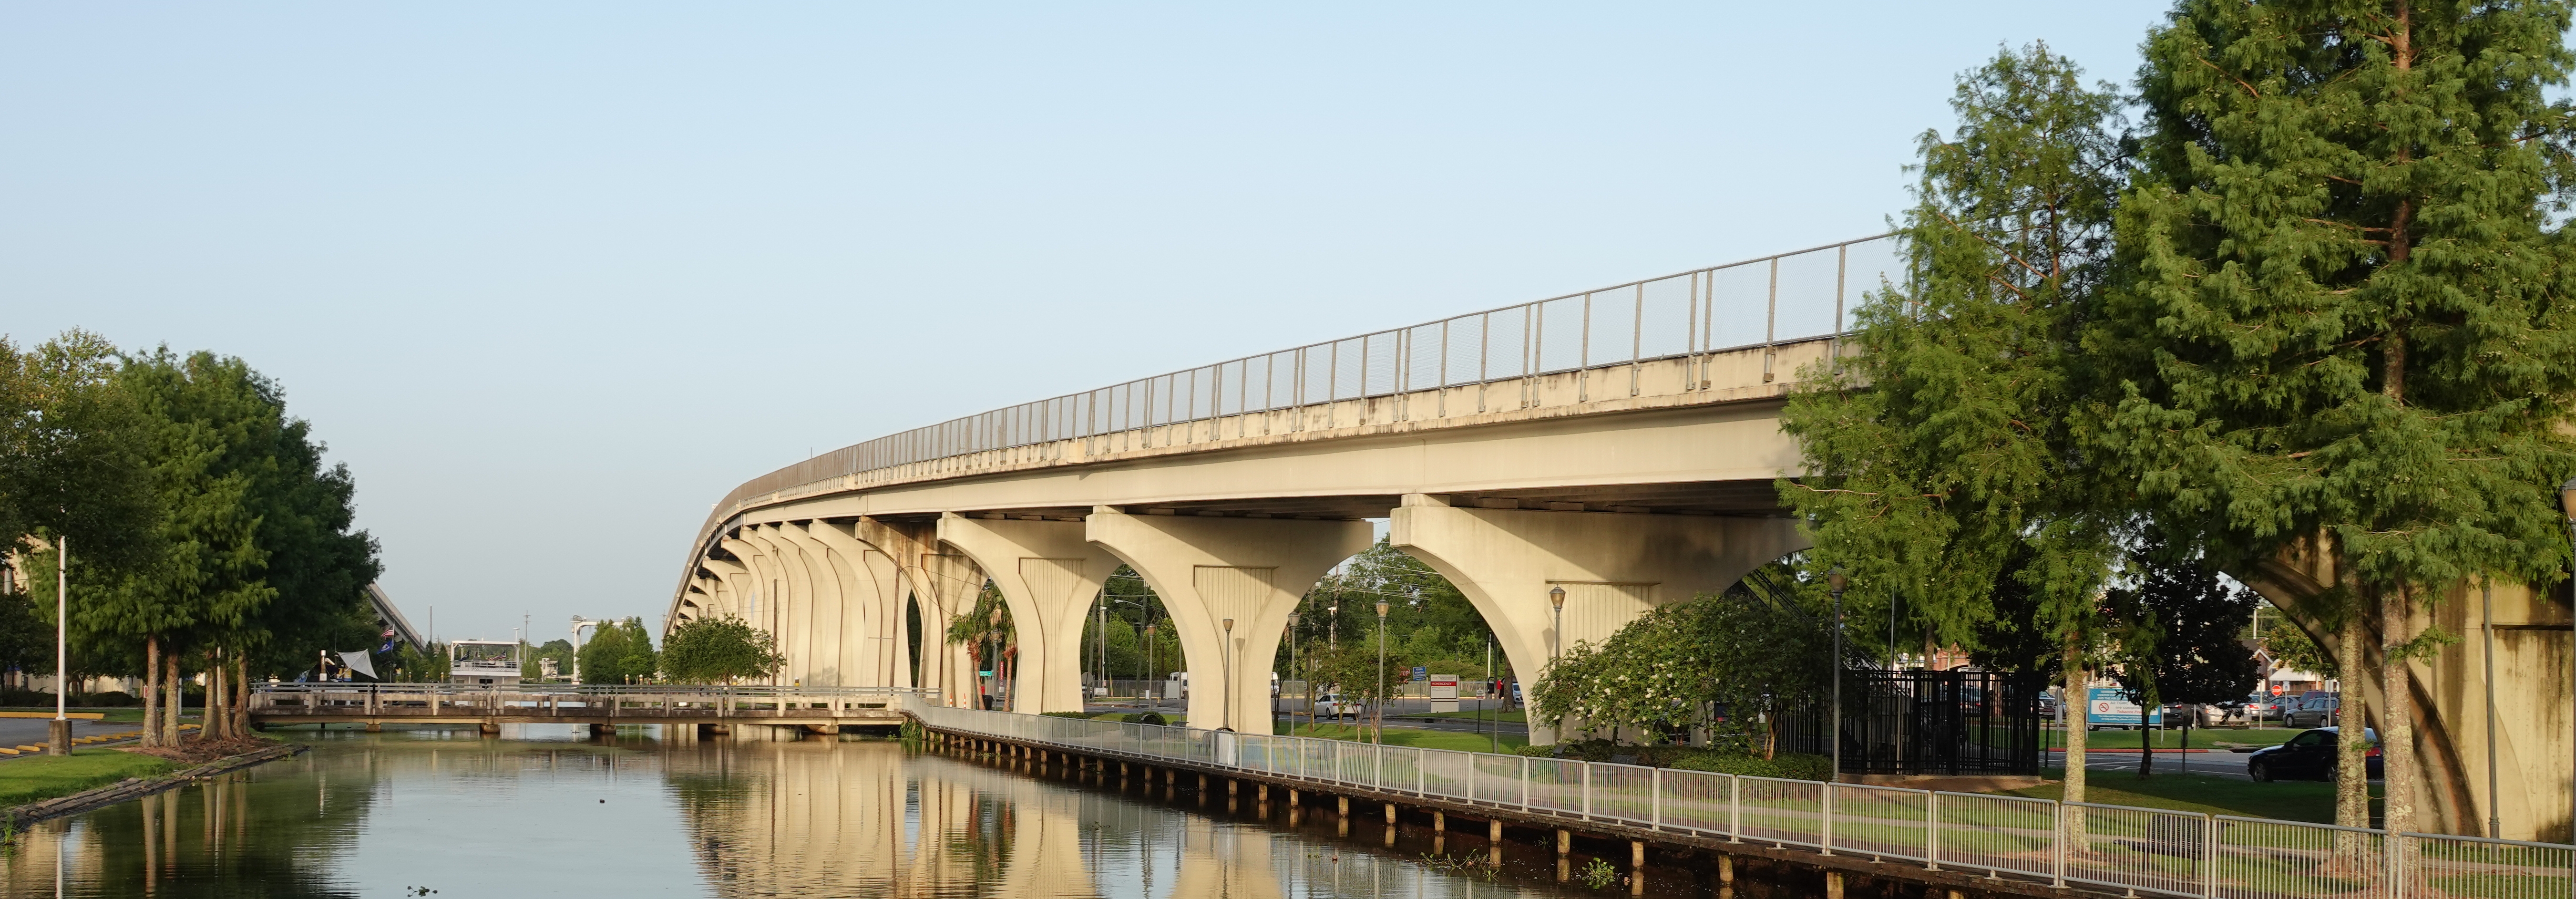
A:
[545,810]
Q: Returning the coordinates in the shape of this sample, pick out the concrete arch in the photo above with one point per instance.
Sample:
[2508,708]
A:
[883,652]
[1206,570]
[1048,573]
[817,650]
[1613,566]
[942,585]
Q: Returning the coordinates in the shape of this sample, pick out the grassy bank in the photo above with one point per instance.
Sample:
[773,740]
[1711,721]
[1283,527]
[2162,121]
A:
[2171,738]
[1406,736]
[2311,801]
[45,777]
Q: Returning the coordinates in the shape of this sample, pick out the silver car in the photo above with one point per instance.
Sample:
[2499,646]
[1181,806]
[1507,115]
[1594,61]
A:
[2313,711]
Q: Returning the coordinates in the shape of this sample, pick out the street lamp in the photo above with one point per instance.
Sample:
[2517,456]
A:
[578,623]
[59,733]
[995,620]
[1556,597]
[1381,671]
[1226,652]
[1293,667]
[1838,580]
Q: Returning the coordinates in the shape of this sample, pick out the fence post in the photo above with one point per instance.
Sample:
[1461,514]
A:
[1932,831]
[1525,763]
[1734,808]
[1587,789]
[1655,800]
[1827,834]
[2208,856]
[2057,848]
[2392,853]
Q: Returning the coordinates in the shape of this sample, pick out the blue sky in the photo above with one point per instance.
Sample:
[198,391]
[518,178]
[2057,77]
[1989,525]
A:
[553,278]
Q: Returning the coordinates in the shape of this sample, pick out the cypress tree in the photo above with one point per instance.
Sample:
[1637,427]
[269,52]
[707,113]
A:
[1948,448]
[2347,323]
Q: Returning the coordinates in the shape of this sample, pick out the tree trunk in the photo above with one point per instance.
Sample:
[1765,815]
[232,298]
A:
[178,699]
[211,724]
[2352,774]
[151,690]
[2147,708]
[2077,707]
[2397,739]
[241,695]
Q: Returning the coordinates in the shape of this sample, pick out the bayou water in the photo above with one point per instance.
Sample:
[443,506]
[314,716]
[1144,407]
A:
[552,811]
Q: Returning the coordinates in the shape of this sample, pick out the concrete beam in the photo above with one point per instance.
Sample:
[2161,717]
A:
[1207,570]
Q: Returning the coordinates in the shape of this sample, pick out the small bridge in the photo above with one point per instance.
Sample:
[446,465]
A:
[813,708]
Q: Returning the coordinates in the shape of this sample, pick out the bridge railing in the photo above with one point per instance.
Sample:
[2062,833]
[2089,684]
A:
[2151,851]
[1764,302]
[396,700]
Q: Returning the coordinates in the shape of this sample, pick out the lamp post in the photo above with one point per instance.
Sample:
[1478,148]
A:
[1381,671]
[60,731]
[1333,625]
[995,627]
[1834,730]
[1293,667]
[1556,597]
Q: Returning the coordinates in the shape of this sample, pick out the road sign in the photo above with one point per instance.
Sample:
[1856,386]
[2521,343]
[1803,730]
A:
[1421,673]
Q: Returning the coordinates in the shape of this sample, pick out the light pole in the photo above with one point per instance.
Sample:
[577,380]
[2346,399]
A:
[578,623]
[60,731]
[1294,669]
[1381,672]
[1226,652]
[995,620]
[1333,625]
[1556,647]
[1834,729]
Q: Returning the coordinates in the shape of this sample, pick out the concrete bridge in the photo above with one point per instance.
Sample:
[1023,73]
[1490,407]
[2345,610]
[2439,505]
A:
[1619,444]
[691,708]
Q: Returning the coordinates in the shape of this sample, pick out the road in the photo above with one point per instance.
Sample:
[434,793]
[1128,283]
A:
[31,731]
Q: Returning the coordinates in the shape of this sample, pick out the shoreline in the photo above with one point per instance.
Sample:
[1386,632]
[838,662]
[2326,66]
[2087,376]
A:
[17,818]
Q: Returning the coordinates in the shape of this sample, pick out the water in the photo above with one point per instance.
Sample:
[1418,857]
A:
[548,811]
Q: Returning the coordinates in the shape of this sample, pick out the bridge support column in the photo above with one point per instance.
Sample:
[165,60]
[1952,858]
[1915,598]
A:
[1613,566]
[1047,572]
[1210,570]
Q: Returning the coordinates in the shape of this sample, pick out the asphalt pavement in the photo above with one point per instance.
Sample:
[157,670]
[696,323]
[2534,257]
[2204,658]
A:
[31,731]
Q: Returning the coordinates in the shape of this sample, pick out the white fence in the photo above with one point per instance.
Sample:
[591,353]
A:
[2146,850]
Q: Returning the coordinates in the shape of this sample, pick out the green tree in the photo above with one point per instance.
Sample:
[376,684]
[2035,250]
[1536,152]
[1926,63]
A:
[1952,443]
[2345,318]
[2181,638]
[990,638]
[1357,672]
[718,651]
[71,441]
[2292,648]
[619,652]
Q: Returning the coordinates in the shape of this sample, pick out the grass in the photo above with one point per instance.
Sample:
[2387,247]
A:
[45,777]
[2294,800]
[1406,736]
[1513,717]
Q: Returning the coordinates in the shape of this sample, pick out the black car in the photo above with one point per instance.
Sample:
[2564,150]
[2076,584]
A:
[2308,756]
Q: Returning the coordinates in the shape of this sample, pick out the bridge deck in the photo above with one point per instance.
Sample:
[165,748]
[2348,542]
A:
[448,704]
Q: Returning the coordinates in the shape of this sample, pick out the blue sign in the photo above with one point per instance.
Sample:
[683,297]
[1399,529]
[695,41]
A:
[2110,707]
[1421,673]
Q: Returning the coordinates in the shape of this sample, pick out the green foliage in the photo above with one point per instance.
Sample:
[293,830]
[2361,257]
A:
[2292,648]
[1786,765]
[1951,444]
[414,666]
[71,451]
[1082,715]
[1154,718]
[621,652]
[2349,310]
[710,651]
[1760,655]
[1599,875]
[2180,641]
[1428,621]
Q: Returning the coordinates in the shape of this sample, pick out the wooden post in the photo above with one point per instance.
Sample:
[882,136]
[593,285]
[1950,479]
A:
[1726,869]
[1439,822]
[1833,885]
[1564,841]
[1342,805]
[1494,831]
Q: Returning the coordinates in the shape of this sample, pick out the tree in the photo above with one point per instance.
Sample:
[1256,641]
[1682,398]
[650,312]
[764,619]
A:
[2344,319]
[70,450]
[2181,643]
[1357,671]
[620,652]
[990,638]
[1953,443]
[718,650]
[2292,648]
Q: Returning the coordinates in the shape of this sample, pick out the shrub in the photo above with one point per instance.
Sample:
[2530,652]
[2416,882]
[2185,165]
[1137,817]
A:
[107,699]
[1083,715]
[1148,718]
[1788,765]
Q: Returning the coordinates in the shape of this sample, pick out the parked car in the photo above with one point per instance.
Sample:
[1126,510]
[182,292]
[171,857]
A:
[2309,756]
[2316,710]
[1332,705]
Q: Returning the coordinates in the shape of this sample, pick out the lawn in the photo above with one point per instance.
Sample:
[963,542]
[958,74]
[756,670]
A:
[45,777]
[1406,736]
[2298,800]
[1515,717]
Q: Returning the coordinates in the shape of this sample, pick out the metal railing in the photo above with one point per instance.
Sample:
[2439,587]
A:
[1757,303]
[2154,851]
[399,700]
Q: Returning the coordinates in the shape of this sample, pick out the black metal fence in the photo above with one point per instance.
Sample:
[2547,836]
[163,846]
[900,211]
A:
[1927,722]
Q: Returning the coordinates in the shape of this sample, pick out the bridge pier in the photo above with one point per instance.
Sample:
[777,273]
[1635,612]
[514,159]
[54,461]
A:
[1208,571]
[1613,566]
[1047,572]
